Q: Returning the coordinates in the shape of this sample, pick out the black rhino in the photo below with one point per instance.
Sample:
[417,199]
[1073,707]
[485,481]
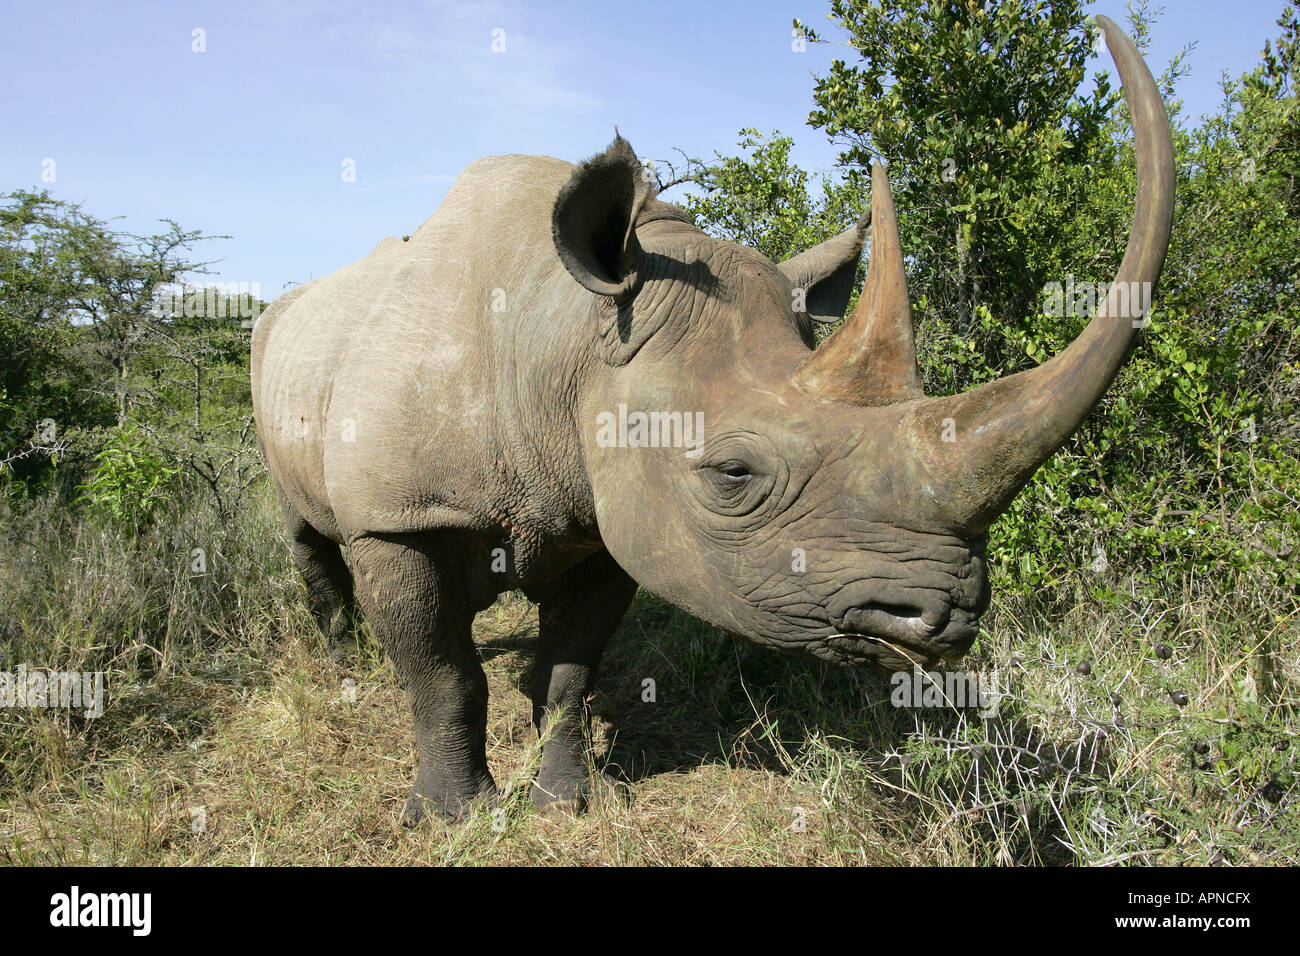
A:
[559,384]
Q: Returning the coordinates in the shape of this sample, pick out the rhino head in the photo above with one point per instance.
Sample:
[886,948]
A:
[826,506]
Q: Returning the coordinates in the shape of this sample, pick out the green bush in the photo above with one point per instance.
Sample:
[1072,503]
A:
[128,483]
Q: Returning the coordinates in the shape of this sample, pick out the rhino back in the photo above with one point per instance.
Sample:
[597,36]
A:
[410,390]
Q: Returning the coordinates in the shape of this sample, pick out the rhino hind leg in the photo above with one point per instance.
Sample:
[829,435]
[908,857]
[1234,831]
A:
[412,597]
[329,582]
[577,615]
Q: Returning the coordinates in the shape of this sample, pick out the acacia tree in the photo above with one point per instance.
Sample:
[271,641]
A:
[79,313]
[122,277]
[45,390]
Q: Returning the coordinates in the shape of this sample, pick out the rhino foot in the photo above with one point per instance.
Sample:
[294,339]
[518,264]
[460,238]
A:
[427,802]
[571,795]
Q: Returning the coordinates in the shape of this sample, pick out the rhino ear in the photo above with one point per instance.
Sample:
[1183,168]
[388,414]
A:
[826,272]
[594,218]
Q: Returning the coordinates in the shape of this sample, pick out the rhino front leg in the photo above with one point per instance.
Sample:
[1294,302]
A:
[411,595]
[577,616]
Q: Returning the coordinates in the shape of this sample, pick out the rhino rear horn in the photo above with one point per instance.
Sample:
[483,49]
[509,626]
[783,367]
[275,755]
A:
[871,358]
[593,221]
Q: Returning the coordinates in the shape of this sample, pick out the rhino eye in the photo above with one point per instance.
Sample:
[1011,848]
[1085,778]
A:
[736,479]
[733,472]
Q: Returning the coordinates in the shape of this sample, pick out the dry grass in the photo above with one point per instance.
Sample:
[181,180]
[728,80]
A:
[285,770]
[231,739]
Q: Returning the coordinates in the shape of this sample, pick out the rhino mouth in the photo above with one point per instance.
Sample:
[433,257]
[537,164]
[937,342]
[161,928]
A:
[899,644]
[873,623]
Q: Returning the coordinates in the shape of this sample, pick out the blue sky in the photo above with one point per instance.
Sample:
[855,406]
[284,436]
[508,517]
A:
[249,137]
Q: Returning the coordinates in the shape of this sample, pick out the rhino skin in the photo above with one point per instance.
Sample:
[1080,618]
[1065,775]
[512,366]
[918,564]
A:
[438,408]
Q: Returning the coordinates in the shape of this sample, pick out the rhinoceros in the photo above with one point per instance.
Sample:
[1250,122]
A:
[560,385]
